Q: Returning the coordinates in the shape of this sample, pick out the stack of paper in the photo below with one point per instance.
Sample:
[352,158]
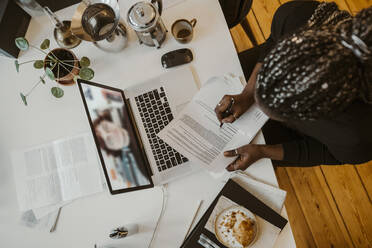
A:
[51,175]
[196,132]
[262,200]
[271,196]
[170,3]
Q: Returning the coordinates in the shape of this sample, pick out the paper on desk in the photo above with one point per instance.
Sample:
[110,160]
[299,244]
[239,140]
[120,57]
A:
[170,3]
[56,172]
[271,196]
[44,211]
[268,194]
[196,132]
[29,219]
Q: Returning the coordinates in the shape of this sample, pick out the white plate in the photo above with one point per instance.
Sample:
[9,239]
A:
[221,232]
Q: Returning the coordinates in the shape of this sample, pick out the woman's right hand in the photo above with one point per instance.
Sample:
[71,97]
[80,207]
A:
[242,102]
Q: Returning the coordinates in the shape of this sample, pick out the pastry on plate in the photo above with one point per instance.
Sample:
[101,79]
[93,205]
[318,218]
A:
[236,227]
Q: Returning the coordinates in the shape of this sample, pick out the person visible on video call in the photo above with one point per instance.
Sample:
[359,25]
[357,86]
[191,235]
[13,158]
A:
[116,141]
[313,78]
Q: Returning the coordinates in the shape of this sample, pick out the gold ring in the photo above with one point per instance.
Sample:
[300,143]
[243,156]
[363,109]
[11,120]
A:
[236,152]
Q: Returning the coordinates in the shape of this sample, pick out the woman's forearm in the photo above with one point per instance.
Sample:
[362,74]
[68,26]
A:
[250,86]
[274,152]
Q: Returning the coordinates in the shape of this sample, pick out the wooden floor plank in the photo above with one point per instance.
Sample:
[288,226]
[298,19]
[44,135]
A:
[365,174]
[333,205]
[241,40]
[316,208]
[257,32]
[353,202]
[341,4]
[284,1]
[356,5]
[300,228]
[264,11]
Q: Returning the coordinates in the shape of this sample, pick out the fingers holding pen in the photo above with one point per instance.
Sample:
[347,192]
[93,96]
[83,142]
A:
[230,108]
[222,107]
[233,116]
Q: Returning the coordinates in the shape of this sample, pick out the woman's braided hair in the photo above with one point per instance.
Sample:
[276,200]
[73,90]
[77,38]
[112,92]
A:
[319,70]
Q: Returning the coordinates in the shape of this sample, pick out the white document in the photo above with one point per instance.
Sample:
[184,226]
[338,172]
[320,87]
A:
[56,172]
[170,3]
[196,132]
[44,211]
[273,197]
[270,195]
[28,219]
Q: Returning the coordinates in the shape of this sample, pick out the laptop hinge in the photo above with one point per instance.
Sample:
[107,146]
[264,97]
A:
[132,119]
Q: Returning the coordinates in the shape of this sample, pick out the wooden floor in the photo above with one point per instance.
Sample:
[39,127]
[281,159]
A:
[328,206]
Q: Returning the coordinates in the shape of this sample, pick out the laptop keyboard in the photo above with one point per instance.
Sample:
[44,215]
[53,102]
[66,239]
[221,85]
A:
[156,114]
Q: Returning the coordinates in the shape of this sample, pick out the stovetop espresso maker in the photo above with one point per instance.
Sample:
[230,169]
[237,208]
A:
[145,19]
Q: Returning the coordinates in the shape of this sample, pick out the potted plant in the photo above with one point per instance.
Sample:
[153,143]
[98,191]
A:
[60,65]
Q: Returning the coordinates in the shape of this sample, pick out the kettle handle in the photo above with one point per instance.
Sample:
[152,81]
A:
[160,5]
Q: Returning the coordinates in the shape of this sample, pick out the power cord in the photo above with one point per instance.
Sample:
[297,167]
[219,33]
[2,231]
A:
[164,202]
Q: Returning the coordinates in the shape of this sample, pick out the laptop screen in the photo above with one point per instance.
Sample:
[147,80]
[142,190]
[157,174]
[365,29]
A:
[122,158]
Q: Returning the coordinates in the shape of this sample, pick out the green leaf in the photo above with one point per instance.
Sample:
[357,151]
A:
[49,73]
[21,43]
[45,44]
[84,62]
[57,92]
[24,99]
[86,73]
[42,80]
[38,64]
[16,65]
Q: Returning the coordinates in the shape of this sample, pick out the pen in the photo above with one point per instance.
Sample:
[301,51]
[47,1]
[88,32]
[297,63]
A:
[193,218]
[228,110]
[56,221]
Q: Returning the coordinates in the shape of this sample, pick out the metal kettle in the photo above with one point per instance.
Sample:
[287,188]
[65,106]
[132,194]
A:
[99,21]
[145,19]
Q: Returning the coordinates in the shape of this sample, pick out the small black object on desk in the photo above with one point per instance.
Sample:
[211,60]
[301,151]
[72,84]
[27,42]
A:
[176,57]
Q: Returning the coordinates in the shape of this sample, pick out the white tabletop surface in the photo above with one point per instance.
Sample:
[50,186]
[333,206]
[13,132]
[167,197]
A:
[86,221]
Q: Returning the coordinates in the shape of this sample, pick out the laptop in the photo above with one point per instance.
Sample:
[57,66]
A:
[125,124]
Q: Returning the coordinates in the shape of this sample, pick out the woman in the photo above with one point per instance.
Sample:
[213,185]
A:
[314,80]
[116,141]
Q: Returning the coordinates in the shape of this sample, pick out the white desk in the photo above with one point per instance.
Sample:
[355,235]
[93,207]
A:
[85,221]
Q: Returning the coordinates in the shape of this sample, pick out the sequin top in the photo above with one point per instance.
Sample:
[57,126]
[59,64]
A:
[344,138]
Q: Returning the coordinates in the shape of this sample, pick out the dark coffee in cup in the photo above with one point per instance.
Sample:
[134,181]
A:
[183,30]
[183,33]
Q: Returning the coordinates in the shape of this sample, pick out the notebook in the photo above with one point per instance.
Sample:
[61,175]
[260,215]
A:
[233,196]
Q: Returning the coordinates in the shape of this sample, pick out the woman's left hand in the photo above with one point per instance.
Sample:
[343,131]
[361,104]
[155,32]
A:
[247,155]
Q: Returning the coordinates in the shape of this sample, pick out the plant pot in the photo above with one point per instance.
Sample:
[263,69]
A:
[68,70]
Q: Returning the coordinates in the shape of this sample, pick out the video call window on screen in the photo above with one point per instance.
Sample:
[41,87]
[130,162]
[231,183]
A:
[115,136]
